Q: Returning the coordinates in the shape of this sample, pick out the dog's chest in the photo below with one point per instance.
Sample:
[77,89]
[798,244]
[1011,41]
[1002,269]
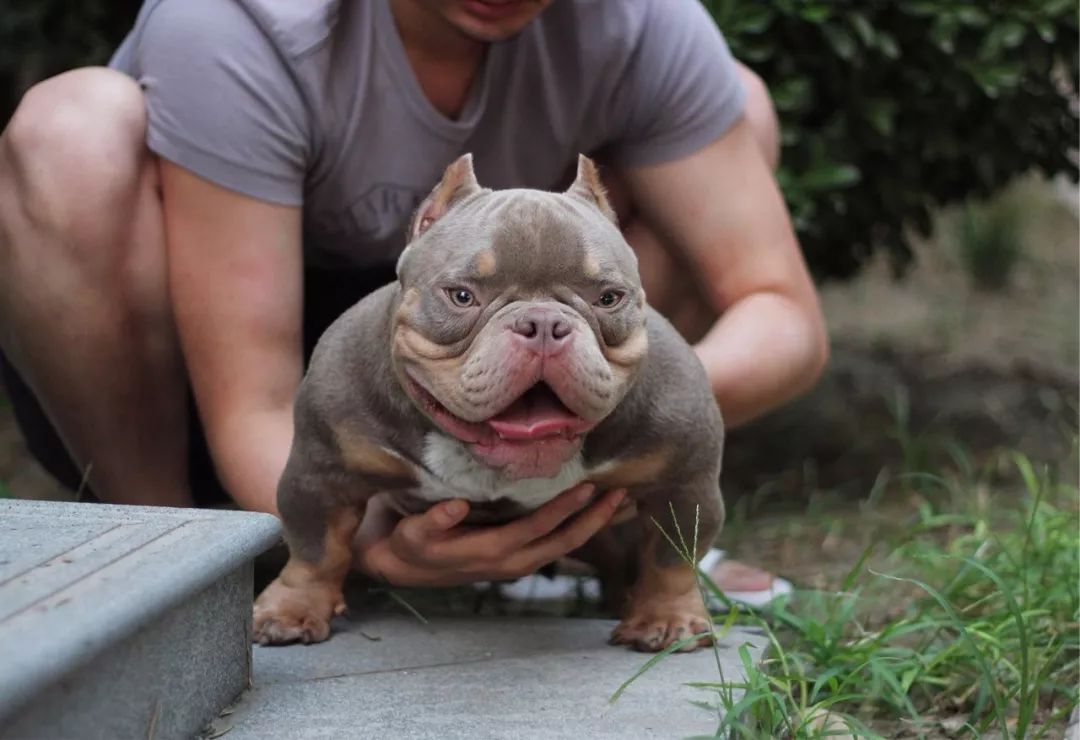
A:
[452,472]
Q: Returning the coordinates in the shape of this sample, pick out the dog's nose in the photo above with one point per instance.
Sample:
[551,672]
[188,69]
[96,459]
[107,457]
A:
[543,331]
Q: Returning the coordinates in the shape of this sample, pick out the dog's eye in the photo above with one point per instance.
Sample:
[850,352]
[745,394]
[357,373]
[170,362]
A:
[610,299]
[461,298]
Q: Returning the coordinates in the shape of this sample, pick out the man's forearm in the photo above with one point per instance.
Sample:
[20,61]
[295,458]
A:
[765,350]
[250,451]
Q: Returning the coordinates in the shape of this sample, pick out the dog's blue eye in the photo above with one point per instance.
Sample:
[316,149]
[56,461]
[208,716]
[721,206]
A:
[610,299]
[462,298]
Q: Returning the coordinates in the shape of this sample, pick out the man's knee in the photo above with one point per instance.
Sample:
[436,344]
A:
[74,152]
[761,114]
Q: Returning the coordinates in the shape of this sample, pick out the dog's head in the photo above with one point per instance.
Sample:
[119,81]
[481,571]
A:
[521,323]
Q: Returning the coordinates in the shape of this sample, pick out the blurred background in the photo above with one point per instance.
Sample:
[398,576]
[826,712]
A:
[929,156]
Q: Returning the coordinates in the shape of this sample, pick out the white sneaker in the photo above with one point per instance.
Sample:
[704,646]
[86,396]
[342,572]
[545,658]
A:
[564,587]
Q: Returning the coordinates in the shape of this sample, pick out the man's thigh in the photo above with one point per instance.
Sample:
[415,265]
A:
[668,279]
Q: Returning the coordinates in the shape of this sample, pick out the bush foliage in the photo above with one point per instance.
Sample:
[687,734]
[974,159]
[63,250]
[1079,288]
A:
[890,108]
[41,38]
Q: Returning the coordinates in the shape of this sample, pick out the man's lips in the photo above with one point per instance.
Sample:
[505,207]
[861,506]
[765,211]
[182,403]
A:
[536,415]
[494,10]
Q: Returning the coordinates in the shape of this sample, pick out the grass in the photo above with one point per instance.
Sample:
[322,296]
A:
[990,241]
[962,619]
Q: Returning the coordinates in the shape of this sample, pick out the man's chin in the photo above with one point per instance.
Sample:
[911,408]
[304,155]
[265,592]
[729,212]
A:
[484,34]
[492,30]
[523,459]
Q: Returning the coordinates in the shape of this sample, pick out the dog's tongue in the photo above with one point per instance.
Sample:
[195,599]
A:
[537,414]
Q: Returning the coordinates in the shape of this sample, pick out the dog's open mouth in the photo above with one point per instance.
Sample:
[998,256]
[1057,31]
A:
[537,415]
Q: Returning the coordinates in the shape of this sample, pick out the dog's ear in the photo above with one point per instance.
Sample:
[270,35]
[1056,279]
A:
[588,187]
[458,182]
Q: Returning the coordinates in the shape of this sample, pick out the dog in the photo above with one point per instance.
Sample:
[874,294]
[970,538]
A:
[514,357]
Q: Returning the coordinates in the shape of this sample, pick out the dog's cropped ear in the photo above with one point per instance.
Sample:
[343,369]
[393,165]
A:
[458,182]
[587,186]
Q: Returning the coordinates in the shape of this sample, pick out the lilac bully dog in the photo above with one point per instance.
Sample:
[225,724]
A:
[514,358]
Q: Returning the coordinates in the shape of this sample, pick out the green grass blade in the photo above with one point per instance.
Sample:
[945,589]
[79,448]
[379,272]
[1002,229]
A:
[958,623]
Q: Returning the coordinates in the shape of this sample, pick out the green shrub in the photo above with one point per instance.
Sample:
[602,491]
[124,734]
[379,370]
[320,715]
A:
[890,108]
[41,38]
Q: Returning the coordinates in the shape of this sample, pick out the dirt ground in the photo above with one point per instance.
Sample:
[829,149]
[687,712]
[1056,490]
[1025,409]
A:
[985,369]
[923,368]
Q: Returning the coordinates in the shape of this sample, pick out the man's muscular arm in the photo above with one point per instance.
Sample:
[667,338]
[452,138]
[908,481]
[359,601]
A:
[721,209]
[235,282]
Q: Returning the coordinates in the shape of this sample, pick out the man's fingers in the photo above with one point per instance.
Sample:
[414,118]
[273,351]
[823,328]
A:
[570,537]
[508,541]
[512,537]
[418,553]
[416,540]
[414,534]
[381,563]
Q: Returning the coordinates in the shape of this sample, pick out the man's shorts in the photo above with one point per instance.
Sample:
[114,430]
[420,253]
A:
[327,294]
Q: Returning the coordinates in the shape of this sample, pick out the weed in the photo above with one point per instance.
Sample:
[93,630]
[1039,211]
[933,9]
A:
[990,241]
[961,621]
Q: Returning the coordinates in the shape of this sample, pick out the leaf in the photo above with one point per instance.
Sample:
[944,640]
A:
[1046,32]
[649,664]
[881,115]
[1002,36]
[830,177]
[862,28]
[793,94]
[887,45]
[753,19]
[985,670]
[994,80]
[814,12]
[971,15]
[842,42]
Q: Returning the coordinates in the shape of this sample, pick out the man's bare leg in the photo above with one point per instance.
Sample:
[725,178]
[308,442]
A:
[85,315]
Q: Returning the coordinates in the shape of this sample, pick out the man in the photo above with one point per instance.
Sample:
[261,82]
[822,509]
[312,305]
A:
[201,227]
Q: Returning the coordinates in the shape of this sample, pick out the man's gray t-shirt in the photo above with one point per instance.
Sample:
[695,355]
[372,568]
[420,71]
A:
[314,103]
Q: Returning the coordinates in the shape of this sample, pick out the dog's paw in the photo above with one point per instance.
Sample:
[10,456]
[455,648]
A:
[286,614]
[654,630]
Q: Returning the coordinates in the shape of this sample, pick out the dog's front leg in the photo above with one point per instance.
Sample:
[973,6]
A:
[665,604]
[319,528]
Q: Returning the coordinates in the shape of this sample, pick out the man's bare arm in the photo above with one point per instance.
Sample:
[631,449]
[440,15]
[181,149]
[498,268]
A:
[235,280]
[721,208]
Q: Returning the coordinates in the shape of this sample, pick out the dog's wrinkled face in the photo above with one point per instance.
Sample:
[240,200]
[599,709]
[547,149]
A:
[521,323]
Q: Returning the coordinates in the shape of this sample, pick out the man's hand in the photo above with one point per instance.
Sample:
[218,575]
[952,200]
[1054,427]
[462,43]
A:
[434,549]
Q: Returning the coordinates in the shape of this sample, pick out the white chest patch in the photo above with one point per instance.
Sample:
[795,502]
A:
[455,473]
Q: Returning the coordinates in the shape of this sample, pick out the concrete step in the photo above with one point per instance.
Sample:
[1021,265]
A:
[123,622]
[387,676]
[131,622]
